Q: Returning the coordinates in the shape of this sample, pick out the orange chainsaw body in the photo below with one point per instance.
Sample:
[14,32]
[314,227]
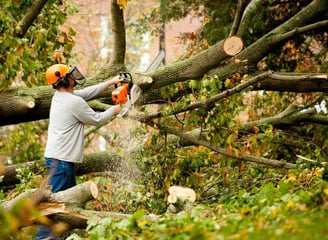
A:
[120,94]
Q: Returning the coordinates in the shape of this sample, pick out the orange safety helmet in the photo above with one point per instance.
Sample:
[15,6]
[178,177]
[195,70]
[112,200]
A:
[55,72]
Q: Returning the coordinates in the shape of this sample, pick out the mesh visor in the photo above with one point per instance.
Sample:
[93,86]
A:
[76,75]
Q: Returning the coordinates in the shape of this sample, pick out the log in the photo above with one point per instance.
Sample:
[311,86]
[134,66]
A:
[34,196]
[95,162]
[182,194]
[180,199]
[77,195]
[233,45]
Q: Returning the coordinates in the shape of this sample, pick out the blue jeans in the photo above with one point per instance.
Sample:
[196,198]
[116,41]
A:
[61,177]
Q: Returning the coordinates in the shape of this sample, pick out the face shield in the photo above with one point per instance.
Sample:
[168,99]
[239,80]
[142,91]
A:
[76,75]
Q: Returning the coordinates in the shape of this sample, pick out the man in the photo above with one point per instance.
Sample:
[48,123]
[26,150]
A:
[69,112]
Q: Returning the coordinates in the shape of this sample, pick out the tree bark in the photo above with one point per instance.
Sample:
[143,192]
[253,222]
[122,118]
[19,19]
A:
[118,28]
[77,195]
[16,107]
[95,162]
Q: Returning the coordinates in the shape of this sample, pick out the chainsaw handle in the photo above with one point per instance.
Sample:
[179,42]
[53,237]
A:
[127,78]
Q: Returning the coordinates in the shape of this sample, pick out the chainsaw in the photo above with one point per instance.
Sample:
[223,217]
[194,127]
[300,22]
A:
[126,93]
[120,95]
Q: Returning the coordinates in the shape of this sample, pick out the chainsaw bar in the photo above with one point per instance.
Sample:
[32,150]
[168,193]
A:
[136,91]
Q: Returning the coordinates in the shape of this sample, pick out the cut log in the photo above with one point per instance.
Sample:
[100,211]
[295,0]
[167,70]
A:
[181,194]
[233,45]
[77,195]
[180,199]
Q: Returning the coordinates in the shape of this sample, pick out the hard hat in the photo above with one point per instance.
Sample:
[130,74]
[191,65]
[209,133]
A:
[55,72]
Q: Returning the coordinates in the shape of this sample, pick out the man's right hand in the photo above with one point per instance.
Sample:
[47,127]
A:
[115,80]
[117,109]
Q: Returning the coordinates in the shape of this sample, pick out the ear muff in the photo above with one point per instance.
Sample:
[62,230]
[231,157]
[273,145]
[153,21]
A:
[64,81]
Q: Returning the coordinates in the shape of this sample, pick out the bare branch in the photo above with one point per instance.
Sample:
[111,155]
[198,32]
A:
[248,16]
[240,156]
[235,25]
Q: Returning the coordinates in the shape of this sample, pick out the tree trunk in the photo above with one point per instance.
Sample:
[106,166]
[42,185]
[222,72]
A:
[95,162]
[16,106]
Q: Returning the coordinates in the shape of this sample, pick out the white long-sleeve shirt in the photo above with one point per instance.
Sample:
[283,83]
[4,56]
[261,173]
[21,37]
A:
[69,112]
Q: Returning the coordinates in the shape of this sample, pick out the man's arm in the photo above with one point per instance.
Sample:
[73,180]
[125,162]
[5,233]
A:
[93,91]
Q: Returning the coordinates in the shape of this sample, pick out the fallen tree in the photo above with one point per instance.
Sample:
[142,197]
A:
[94,162]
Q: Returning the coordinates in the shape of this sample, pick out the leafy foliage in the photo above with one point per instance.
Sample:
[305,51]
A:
[21,143]
[286,206]
[25,58]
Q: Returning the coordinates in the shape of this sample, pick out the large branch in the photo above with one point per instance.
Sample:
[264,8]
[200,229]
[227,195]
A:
[31,104]
[291,82]
[118,28]
[95,162]
[197,66]
[290,116]
[191,68]
[29,17]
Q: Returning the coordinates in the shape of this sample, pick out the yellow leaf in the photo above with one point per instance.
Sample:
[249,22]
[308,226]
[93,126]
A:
[188,228]
[291,178]
[142,223]
[275,211]
[230,139]
[122,3]
[291,205]
[326,191]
